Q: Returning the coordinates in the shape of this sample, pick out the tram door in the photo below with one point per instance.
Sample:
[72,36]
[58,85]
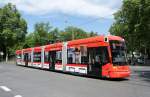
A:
[97,58]
[95,66]
[52,57]
[26,59]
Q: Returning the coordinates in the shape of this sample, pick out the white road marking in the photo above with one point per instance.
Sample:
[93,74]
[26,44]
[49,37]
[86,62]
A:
[5,88]
[18,96]
[8,90]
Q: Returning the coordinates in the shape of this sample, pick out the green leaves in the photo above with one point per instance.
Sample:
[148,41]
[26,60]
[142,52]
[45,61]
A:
[44,34]
[133,23]
[71,33]
[12,27]
[13,30]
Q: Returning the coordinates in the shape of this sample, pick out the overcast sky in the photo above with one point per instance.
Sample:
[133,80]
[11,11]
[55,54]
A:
[90,15]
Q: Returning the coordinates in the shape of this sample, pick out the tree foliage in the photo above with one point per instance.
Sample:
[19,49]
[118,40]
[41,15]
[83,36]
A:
[46,34]
[71,33]
[54,35]
[40,36]
[13,32]
[133,23]
[13,28]
[41,31]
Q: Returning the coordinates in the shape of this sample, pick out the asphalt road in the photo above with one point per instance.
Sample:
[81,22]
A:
[17,81]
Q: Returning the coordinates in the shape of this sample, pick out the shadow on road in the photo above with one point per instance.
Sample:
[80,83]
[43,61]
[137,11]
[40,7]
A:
[93,77]
[81,75]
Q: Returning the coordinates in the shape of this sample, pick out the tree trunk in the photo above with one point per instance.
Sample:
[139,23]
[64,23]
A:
[145,54]
[6,54]
[6,59]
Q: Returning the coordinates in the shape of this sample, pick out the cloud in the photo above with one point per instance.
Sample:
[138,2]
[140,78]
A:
[93,8]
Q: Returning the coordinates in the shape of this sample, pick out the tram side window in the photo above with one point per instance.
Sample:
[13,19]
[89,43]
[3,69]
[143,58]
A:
[70,55]
[46,56]
[26,58]
[84,55]
[84,60]
[77,55]
[29,57]
[98,55]
[73,56]
[105,55]
[18,56]
[58,56]
[37,57]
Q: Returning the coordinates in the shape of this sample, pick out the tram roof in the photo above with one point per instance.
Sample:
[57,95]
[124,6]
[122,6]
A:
[58,46]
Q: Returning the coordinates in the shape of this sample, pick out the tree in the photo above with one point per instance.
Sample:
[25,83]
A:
[54,35]
[71,33]
[41,33]
[133,23]
[29,40]
[91,34]
[12,28]
[44,34]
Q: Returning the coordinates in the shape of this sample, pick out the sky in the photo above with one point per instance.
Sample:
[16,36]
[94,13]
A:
[90,15]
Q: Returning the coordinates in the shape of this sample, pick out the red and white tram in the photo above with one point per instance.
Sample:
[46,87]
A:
[97,56]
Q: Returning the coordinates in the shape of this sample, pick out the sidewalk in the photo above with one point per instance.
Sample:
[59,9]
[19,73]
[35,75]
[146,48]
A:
[9,62]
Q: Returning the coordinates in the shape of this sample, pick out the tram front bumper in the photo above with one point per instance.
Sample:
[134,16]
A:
[119,74]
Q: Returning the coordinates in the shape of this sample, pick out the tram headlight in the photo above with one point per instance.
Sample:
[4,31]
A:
[114,68]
